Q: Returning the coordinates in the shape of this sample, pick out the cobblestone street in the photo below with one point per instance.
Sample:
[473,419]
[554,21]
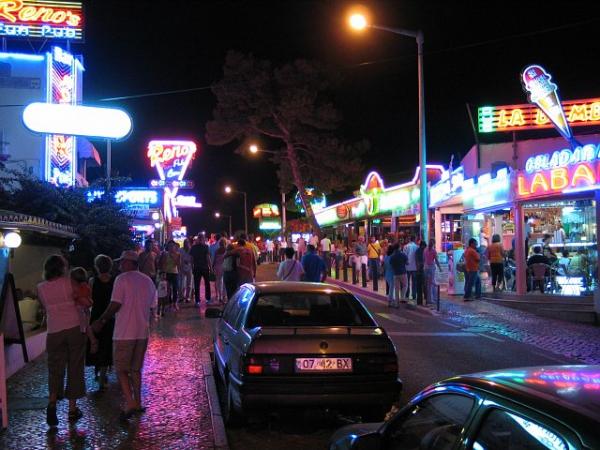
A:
[174,393]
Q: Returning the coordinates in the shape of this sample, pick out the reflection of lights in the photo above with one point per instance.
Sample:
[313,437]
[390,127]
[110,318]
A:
[547,438]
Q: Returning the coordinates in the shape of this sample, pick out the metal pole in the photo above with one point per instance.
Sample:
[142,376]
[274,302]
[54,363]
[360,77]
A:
[230,231]
[245,214]
[108,164]
[283,218]
[422,140]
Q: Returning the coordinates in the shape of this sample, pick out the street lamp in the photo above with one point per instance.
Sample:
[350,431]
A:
[358,21]
[229,190]
[218,215]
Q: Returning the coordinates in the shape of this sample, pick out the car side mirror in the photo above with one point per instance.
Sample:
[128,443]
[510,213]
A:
[213,313]
[371,441]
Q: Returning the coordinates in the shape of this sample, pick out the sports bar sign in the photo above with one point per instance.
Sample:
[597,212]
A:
[42,19]
[492,119]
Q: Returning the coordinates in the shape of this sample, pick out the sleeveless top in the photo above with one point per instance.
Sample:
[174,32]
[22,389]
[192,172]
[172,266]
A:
[101,294]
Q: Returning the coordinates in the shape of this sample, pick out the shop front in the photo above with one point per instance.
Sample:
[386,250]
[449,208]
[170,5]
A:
[377,210]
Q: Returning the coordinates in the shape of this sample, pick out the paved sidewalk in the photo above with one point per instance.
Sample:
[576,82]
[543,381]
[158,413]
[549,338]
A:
[573,340]
[178,393]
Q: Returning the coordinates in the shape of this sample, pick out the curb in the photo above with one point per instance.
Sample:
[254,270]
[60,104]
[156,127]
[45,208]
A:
[377,296]
[216,418]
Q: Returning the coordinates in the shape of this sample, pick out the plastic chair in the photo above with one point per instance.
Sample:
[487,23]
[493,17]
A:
[539,272]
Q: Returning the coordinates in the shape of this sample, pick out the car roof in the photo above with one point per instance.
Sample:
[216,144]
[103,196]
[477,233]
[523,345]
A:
[569,393]
[272,287]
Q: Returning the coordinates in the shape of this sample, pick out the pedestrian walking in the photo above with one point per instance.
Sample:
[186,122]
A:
[270,248]
[430,258]
[170,263]
[201,264]
[411,267]
[360,253]
[132,297]
[65,343]
[388,272]
[301,247]
[186,280]
[217,268]
[398,262]
[290,269]
[373,257]
[495,254]
[102,286]
[147,259]
[313,265]
[420,275]
[246,263]
[230,279]
[326,251]
[163,294]
[472,279]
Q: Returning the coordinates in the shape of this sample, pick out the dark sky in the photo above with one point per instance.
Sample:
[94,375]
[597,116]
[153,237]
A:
[474,53]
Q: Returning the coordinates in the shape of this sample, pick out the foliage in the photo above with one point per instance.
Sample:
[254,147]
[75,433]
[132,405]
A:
[291,106]
[102,226]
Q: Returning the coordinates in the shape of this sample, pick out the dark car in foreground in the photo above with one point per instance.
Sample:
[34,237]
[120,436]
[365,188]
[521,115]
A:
[554,407]
[298,345]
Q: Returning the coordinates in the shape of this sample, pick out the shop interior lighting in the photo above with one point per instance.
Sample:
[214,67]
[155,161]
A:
[12,239]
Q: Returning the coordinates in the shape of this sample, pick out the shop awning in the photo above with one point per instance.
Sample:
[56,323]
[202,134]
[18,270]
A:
[17,221]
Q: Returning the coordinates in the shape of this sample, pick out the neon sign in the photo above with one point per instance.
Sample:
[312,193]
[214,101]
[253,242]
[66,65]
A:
[374,198]
[41,19]
[187,201]
[485,192]
[64,88]
[128,197]
[265,210]
[561,158]
[450,185]
[527,117]
[541,91]
[171,159]
[317,201]
[181,184]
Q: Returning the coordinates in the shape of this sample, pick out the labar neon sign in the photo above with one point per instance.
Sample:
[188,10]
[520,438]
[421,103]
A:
[41,19]
[565,171]
[492,119]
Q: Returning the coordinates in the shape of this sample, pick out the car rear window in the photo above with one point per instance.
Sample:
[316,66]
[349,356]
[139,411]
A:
[308,309]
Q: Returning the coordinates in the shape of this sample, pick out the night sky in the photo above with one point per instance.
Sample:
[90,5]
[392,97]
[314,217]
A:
[474,53]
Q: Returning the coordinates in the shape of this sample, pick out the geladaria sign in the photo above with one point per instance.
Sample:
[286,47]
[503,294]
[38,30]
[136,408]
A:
[41,19]
[562,171]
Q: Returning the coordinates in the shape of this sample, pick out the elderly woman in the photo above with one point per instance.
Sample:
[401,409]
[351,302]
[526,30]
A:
[65,342]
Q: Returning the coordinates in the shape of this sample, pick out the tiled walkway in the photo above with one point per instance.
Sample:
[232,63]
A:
[175,394]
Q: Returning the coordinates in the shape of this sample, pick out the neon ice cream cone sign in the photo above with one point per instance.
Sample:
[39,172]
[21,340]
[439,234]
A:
[541,91]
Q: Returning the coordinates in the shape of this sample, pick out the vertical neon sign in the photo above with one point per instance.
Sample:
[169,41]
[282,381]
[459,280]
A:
[63,87]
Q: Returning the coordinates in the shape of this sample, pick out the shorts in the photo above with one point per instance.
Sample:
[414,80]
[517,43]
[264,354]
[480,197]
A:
[128,355]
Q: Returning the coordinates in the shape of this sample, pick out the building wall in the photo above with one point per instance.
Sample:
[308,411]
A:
[22,81]
[27,264]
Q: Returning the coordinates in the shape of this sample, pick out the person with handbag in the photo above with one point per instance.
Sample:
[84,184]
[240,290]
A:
[290,269]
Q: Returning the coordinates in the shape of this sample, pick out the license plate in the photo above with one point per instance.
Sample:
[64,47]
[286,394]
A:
[323,364]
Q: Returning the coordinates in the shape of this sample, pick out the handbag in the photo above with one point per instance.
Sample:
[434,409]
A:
[461,266]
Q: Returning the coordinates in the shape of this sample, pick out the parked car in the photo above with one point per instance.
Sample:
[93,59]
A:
[555,407]
[290,344]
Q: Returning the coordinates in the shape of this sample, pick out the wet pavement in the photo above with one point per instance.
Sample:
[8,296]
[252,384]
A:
[174,392]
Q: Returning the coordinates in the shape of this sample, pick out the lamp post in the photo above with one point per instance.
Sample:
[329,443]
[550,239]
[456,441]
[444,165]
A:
[218,215]
[229,190]
[359,22]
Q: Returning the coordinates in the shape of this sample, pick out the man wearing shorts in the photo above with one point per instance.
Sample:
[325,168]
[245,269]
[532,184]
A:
[132,297]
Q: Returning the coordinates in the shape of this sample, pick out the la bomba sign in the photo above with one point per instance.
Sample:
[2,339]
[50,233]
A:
[42,19]
[562,171]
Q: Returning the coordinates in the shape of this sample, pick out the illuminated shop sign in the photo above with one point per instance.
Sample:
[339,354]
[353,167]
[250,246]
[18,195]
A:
[317,200]
[541,91]
[181,184]
[529,117]
[41,19]
[129,197]
[63,87]
[450,185]
[269,225]
[486,191]
[374,199]
[171,158]
[187,201]
[564,170]
[265,210]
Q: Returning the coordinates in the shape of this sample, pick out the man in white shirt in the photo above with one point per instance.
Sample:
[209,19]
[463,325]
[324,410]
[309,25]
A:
[132,297]
[410,250]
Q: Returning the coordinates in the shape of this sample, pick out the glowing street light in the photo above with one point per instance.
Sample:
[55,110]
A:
[358,21]
[229,190]
[253,148]
[218,215]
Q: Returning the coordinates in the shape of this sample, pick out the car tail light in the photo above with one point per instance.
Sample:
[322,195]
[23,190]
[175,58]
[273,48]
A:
[254,369]
[261,364]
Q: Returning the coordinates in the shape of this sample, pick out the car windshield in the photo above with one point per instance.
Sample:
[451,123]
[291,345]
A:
[308,309]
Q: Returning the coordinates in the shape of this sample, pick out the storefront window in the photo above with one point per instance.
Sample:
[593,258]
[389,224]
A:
[564,232]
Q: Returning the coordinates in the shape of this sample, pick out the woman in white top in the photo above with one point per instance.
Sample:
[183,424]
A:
[65,343]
